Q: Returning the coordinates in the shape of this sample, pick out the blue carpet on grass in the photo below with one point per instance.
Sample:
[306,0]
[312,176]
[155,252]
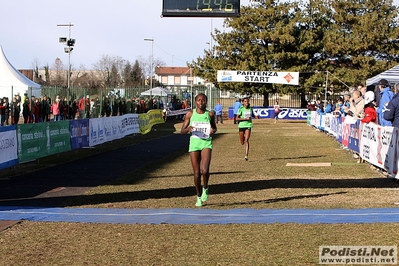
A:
[199,216]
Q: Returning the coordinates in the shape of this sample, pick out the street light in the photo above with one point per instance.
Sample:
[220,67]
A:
[70,43]
[191,88]
[152,59]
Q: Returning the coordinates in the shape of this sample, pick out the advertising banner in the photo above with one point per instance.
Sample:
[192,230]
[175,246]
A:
[391,158]
[97,131]
[286,78]
[8,147]
[130,124]
[106,129]
[146,121]
[42,139]
[309,118]
[346,128]
[33,141]
[376,142]
[79,133]
[354,136]
[59,137]
[110,127]
[285,113]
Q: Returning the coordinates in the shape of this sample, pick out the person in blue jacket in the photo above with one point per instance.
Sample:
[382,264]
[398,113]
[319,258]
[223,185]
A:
[236,106]
[386,97]
[391,113]
[218,112]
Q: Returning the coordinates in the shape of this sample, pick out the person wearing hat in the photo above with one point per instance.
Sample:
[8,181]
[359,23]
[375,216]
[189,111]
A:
[370,114]
[386,96]
[391,113]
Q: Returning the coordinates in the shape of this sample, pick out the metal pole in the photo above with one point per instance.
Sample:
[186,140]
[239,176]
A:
[325,92]
[210,44]
[191,85]
[152,59]
[69,59]
[69,51]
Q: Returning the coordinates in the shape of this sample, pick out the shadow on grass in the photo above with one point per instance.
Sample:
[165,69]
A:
[64,185]
[217,189]
[183,175]
[64,180]
[284,199]
[297,157]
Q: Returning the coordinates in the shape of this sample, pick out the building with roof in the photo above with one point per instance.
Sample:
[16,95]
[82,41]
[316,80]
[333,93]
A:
[178,77]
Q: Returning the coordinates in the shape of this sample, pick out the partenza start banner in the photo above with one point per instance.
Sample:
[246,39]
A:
[286,78]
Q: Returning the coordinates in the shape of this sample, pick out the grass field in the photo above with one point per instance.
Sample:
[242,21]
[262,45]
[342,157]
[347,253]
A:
[265,181]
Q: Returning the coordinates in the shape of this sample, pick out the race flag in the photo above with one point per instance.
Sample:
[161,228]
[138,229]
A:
[286,78]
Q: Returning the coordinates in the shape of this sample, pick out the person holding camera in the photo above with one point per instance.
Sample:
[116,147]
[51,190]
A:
[356,108]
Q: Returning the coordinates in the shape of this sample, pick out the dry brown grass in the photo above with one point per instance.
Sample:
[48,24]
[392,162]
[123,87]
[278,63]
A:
[263,182]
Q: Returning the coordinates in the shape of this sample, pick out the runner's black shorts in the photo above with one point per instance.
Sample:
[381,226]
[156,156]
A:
[243,129]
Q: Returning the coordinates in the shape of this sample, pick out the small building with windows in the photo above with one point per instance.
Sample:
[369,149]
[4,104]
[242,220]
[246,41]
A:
[171,77]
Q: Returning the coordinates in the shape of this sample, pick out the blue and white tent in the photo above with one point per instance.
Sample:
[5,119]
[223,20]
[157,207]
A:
[392,75]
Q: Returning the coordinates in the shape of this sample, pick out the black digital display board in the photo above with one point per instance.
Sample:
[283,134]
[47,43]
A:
[201,8]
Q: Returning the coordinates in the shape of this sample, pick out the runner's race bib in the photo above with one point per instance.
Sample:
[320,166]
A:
[247,114]
[201,130]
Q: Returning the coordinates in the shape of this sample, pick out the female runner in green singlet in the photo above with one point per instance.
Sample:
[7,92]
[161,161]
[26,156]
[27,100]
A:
[200,123]
[244,119]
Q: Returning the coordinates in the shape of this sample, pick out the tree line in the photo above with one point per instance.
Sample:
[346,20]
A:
[107,72]
[352,39]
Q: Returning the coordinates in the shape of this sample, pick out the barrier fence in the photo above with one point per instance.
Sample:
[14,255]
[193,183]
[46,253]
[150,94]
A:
[27,142]
[375,144]
[21,143]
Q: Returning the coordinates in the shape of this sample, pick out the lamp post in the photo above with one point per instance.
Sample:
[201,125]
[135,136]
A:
[68,49]
[152,59]
[191,87]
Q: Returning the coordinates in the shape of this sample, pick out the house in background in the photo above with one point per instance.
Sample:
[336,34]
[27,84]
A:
[177,77]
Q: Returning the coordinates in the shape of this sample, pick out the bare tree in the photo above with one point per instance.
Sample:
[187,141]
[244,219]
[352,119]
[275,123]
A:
[145,65]
[59,69]
[104,67]
[36,76]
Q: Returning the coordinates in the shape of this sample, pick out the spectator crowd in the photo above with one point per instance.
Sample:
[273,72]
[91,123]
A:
[35,110]
[380,106]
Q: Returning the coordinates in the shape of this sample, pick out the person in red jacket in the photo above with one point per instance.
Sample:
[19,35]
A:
[370,114]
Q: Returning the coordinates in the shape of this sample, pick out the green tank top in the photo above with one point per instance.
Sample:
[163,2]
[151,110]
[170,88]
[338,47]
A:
[243,113]
[200,137]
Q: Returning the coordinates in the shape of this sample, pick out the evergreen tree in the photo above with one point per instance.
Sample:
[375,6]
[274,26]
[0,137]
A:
[115,78]
[352,40]
[127,75]
[137,74]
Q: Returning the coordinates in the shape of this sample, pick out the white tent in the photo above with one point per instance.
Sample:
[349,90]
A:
[392,75]
[157,91]
[12,81]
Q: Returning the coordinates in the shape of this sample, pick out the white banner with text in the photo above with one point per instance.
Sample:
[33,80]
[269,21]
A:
[286,78]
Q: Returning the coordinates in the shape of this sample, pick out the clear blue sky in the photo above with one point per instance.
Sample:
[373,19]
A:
[29,32]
